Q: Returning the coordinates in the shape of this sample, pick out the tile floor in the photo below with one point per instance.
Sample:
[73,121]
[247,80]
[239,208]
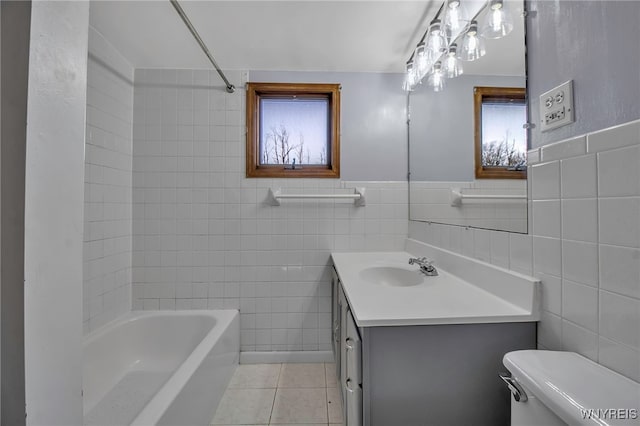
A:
[281,394]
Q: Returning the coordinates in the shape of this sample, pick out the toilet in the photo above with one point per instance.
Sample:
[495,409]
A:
[552,388]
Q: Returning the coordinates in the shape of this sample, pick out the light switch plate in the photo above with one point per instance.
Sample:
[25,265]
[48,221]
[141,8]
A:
[556,107]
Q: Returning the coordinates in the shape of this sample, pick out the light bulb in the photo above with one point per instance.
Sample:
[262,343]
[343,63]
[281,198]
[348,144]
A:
[455,18]
[436,78]
[410,77]
[497,22]
[451,66]
[435,41]
[472,46]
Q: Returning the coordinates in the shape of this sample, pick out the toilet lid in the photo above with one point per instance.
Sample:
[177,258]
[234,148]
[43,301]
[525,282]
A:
[576,389]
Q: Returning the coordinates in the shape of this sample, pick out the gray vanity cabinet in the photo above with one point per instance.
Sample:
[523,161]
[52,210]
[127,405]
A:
[347,349]
[445,374]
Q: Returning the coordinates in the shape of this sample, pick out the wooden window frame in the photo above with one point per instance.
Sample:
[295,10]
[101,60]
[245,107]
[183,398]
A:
[289,90]
[481,94]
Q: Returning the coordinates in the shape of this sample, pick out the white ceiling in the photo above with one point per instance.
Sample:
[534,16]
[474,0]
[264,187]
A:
[366,36]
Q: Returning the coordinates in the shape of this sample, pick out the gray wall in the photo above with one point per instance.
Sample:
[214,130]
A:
[594,43]
[15,26]
[373,141]
[442,144]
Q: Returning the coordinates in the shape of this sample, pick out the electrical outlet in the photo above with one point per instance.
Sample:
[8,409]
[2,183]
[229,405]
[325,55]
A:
[554,116]
[556,107]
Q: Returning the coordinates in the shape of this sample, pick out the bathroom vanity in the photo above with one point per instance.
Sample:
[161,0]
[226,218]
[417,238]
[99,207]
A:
[423,350]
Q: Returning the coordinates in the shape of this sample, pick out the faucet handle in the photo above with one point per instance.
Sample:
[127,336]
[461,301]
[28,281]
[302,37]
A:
[426,265]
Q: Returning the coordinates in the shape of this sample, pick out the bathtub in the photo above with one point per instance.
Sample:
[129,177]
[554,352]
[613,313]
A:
[159,368]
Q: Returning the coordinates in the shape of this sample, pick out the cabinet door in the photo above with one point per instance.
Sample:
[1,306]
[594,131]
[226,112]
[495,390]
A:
[353,381]
[354,351]
[335,325]
[353,394]
[342,367]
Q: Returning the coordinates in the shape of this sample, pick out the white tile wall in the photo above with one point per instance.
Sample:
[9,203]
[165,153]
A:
[580,304]
[578,177]
[546,218]
[620,176]
[584,245]
[108,168]
[203,237]
[580,219]
[430,201]
[565,149]
[551,293]
[545,181]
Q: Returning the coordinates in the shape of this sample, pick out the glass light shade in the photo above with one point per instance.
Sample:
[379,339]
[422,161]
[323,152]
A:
[456,18]
[472,46]
[410,77]
[498,21]
[435,42]
[436,78]
[421,61]
[451,66]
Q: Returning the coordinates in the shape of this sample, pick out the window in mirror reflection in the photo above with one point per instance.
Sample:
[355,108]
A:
[500,138]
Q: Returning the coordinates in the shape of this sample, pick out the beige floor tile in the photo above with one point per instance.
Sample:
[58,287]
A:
[245,407]
[255,376]
[300,406]
[302,376]
[334,405]
[330,375]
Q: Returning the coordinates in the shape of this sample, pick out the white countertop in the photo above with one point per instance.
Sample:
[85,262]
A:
[443,299]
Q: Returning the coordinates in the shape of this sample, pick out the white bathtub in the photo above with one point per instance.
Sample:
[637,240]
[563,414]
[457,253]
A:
[159,368]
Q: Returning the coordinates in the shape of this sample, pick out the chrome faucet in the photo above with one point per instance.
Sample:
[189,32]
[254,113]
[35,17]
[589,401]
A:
[426,266]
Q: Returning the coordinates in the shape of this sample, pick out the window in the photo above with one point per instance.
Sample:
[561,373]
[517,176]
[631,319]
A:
[500,138]
[293,130]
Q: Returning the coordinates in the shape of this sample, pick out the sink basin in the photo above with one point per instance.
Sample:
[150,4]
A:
[392,276]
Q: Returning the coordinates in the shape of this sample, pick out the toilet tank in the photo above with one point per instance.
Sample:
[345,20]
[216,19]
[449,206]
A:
[564,388]
[533,412]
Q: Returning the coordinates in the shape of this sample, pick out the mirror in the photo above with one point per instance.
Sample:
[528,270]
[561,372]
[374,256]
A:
[447,184]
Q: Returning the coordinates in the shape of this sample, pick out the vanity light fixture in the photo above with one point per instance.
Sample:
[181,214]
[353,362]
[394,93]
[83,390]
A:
[420,60]
[436,78]
[497,22]
[436,43]
[455,17]
[410,78]
[472,47]
[451,65]
[452,35]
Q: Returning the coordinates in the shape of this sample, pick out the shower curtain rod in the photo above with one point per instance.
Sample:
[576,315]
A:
[230,87]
